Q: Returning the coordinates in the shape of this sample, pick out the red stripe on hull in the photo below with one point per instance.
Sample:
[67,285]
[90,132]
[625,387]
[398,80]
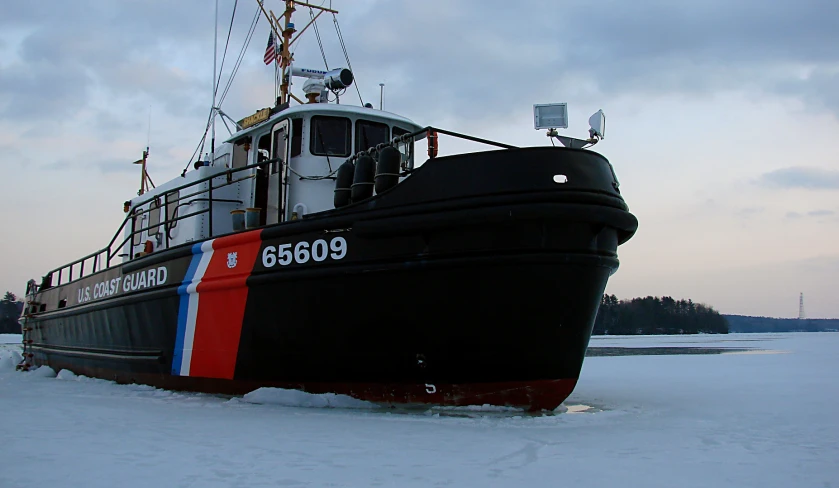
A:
[221,307]
[533,395]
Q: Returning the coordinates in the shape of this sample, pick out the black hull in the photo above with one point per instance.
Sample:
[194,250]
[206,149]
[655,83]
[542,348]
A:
[484,295]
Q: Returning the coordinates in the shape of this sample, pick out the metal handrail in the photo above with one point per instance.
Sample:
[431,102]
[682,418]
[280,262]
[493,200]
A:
[423,132]
[165,222]
[131,215]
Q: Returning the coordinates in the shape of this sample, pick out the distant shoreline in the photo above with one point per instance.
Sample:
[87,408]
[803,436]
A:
[748,324]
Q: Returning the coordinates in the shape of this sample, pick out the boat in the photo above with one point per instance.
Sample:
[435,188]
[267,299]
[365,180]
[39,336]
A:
[329,248]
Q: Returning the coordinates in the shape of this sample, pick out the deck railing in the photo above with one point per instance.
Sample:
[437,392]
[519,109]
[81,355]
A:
[101,259]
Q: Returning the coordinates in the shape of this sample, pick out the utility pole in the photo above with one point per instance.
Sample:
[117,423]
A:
[801,307]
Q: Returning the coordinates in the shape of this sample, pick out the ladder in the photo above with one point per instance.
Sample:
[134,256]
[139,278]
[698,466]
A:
[26,326]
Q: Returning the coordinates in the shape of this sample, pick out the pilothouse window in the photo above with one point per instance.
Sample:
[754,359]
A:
[369,134]
[330,136]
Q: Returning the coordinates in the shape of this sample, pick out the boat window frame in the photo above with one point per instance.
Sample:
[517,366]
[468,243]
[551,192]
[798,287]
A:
[279,144]
[137,223]
[154,217]
[296,137]
[314,133]
[358,122]
[171,205]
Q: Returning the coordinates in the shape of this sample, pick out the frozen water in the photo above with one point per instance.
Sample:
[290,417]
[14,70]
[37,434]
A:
[767,420]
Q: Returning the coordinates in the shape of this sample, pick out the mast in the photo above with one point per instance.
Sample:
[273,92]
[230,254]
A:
[285,56]
[213,106]
[145,180]
[285,33]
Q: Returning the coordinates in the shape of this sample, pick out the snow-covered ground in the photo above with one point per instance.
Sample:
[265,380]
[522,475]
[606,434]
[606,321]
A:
[735,419]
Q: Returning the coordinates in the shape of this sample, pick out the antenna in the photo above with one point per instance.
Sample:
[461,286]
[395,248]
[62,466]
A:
[381,96]
[801,307]
[148,135]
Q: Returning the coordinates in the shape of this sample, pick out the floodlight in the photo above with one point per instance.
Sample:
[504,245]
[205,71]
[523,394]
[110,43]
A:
[338,78]
[597,122]
[550,116]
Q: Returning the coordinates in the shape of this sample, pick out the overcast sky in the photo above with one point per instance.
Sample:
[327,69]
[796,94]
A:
[723,119]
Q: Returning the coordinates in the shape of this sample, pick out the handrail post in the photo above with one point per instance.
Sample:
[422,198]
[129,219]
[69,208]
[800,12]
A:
[81,270]
[166,227]
[131,239]
[210,183]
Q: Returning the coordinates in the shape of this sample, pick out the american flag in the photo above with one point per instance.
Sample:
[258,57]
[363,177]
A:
[270,50]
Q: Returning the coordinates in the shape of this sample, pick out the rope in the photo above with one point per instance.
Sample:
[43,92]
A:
[317,34]
[346,56]
[303,177]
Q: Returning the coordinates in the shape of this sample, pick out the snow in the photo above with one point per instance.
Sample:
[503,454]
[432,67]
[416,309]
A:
[723,420]
[10,338]
[295,398]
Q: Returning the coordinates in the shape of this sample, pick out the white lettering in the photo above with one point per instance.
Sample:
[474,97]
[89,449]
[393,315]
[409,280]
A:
[152,277]
[320,249]
[284,252]
[142,283]
[303,252]
[268,257]
[162,274]
[338,246]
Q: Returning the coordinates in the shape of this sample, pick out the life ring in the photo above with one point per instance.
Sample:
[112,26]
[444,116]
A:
[432,144]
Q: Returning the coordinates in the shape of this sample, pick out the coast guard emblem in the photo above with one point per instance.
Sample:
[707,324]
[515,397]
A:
[232,259]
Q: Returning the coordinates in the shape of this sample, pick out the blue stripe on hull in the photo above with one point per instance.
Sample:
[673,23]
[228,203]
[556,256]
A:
[183,309]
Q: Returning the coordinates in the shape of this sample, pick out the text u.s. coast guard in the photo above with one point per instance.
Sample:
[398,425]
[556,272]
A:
[130,282]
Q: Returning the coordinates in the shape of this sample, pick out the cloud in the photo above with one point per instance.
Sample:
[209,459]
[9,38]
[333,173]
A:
[801,177]
[821,213]
[749,212]
[648,47]
[793,215]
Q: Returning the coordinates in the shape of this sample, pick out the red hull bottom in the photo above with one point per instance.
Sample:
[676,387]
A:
[533,395]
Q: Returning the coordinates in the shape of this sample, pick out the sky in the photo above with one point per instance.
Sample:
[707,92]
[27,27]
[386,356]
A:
[722,119]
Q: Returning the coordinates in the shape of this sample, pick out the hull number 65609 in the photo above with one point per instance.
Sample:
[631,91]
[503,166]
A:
[303,252]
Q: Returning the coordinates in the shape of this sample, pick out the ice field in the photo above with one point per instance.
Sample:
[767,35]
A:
[767,417]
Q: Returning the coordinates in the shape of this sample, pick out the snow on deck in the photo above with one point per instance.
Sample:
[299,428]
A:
[762,420]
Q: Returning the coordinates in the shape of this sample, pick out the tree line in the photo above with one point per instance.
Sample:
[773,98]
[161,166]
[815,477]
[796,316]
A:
[10,309]
[654,315]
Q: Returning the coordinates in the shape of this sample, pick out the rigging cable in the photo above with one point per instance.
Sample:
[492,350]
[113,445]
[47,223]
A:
[346,56]
[226,44]
[317,34]
[241,56]
[201,143]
